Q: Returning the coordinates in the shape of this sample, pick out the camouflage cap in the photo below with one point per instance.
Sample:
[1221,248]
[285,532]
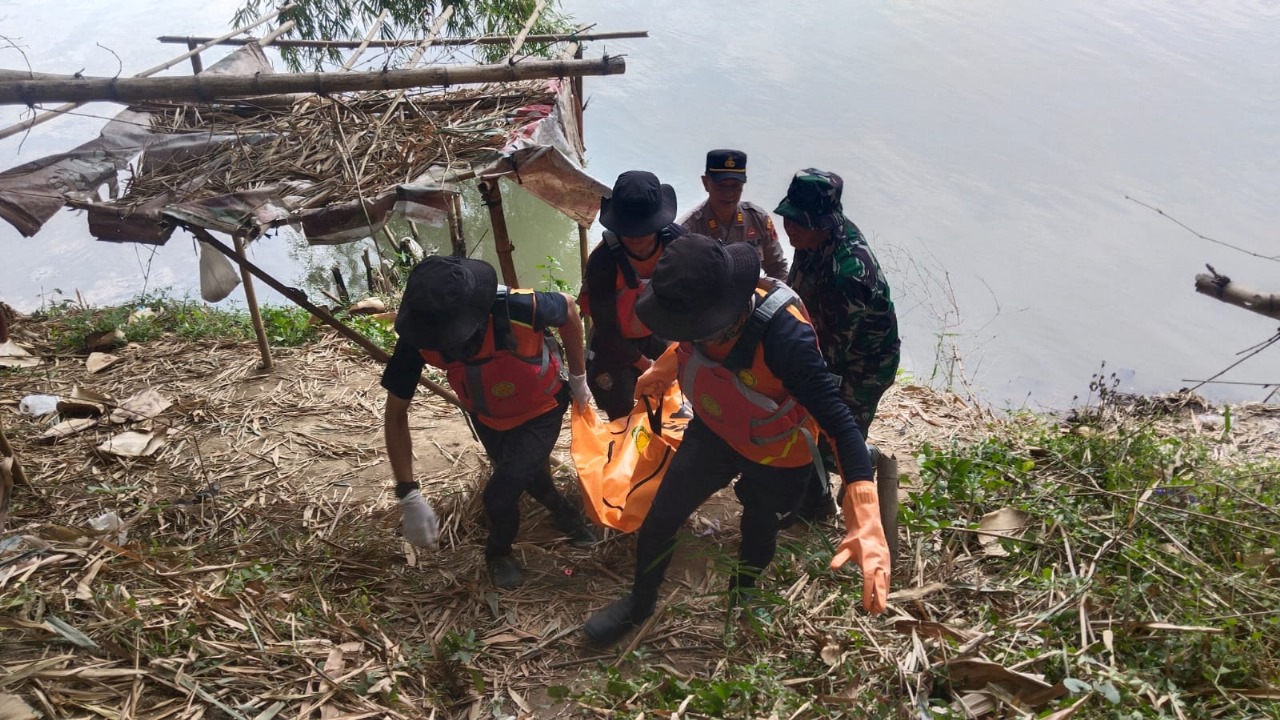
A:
[813,199]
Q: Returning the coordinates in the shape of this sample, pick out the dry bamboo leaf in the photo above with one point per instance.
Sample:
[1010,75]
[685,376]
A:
[973,674]
[82,402]
[1006,522]
[13,355]
[134,443]
[140,406]
[917,593]
[67,428]
[1067,712]
[99,361]
[13,707]
[932,629]
[73,636]
[105,340]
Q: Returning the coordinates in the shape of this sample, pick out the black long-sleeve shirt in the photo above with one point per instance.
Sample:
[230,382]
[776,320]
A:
[791,354]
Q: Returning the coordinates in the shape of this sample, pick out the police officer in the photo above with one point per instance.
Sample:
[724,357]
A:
[725,217]
[748,361]
[493,345]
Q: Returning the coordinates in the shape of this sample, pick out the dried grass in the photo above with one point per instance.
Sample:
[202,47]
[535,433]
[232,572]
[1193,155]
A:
[258,573]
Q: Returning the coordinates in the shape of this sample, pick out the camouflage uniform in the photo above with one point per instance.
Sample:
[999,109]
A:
[846,294]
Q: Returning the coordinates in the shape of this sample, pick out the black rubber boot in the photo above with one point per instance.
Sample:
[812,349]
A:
[607,626]
[578,528]
[504,572]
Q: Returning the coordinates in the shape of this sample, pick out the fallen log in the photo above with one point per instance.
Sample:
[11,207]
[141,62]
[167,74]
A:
[411,42]
[209,88]
[1233,293]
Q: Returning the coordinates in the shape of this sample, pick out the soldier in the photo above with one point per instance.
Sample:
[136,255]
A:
[749,363]
[493,345]
[837,276]
[725,217]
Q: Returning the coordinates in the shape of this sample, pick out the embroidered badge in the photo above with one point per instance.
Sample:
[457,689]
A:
[503,390]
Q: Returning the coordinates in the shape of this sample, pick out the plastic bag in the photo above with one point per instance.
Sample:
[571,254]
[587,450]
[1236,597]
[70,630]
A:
[37,405]
[218,277]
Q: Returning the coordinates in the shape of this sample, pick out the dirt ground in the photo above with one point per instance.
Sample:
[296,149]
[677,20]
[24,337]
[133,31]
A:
[266,531]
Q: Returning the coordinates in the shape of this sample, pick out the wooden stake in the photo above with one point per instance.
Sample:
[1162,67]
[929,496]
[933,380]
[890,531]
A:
[368,273]
[492,194]
[340,285]
[6,451]
[584,238]
[251,297]
[456,239]
[193,52]
[197,65]
[208,88]
[299,298]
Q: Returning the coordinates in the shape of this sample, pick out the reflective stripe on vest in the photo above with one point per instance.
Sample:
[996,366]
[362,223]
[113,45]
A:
[770,429]
[512,379]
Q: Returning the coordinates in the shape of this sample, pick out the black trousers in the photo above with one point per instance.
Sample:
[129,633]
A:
[612,377]
[521,464]
[702,465]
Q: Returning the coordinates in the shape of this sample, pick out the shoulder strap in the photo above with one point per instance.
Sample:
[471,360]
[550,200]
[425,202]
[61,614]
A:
[501,314]
[744,351]
[614,243]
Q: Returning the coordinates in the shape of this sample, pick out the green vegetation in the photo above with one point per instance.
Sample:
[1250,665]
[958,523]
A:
[339,19]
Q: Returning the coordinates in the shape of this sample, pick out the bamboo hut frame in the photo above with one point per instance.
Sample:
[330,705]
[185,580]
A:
[457,169]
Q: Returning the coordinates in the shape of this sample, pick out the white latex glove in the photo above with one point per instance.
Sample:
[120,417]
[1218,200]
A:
[418,521]
[578,388]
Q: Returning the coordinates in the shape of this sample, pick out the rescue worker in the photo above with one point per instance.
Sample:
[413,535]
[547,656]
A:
[839,279]
[725,217]
[637,218]
[748,361]
[493,346]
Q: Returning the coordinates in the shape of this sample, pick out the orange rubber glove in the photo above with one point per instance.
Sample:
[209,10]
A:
[864,543]
[655,381]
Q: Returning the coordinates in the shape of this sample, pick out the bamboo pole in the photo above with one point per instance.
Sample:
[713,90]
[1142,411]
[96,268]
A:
[518,42]
[299,298]
[341,44]
[203,45]
[207,88]
[251,297]
[368,38]
[491,192]
[1232,293]
[584,239]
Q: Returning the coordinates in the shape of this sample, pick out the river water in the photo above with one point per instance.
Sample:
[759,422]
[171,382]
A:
[988,151]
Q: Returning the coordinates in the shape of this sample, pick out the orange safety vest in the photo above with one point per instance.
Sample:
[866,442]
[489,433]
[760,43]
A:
[742,401]
[629,287]
[514,377]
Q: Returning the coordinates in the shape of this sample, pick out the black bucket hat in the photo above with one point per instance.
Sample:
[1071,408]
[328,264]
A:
[640,205]
[446,300]
[699,288]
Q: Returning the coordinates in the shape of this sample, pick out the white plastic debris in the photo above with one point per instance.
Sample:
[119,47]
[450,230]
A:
[110,522]
[37,405]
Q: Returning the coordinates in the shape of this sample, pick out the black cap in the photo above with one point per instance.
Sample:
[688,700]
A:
[640,205]
[699,288]
[446,300]
[723,164]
